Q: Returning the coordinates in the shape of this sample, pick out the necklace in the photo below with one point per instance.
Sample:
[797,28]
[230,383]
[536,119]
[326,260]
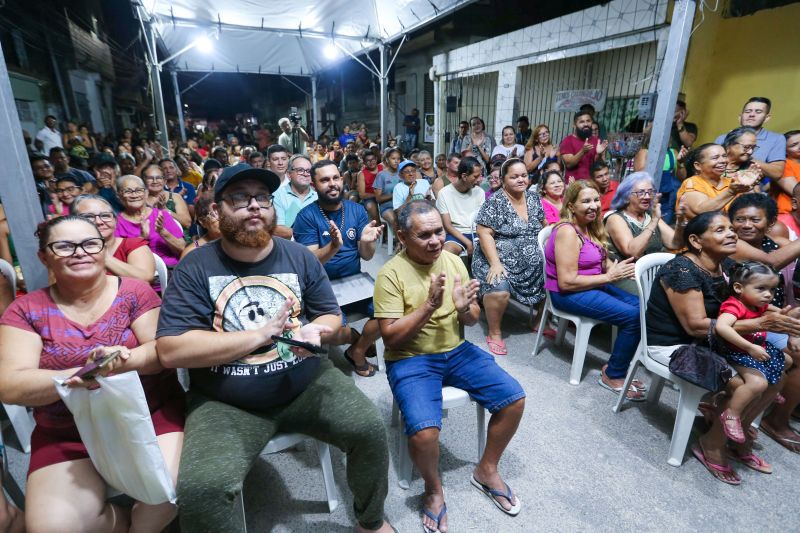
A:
[341,226]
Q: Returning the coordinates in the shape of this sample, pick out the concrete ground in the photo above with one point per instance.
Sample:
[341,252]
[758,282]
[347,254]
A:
[575,465]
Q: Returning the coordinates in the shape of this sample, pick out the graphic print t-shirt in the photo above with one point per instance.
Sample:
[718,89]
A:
[211,292]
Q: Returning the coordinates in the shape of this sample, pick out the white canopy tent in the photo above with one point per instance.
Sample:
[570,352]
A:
[299,38]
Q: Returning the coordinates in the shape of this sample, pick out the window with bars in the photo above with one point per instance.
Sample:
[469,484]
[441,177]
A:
[475,96]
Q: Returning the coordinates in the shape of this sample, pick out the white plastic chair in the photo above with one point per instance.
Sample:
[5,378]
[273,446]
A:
[583,325]
[161,272]
[690,395]
[352,289]
[283,441]
[451,397]
[20,417]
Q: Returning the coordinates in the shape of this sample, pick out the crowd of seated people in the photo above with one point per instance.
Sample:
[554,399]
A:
[217,208]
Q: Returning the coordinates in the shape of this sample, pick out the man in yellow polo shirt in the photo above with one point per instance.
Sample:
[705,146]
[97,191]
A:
[423,299]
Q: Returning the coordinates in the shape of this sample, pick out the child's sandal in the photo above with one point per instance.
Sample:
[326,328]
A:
[732,426]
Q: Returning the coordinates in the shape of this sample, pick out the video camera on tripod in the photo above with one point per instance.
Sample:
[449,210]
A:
[294,117]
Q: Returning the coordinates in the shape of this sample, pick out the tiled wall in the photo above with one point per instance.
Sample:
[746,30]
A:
[616,24]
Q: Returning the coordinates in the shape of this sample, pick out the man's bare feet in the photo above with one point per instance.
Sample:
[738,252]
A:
[434,502]
[386,527]
[493,481]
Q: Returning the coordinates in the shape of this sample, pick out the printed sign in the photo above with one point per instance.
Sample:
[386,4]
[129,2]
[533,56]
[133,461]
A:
[571,101]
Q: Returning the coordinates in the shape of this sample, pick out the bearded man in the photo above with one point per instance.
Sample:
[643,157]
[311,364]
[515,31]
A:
[222,309]
[340,233]
[580,148]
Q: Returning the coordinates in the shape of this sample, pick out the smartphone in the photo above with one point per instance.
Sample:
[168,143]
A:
[313,348]
[89,371]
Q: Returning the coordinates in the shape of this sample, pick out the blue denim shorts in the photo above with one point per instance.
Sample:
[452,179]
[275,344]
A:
[364,307]
[450,238]
[417,384]
[385,206]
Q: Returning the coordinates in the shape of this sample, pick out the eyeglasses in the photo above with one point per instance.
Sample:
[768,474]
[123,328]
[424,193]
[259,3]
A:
[241,200]
[91,246]
[303,171]
[105,216]
[642,194]
[133,192]
[71,190]
[748,147]
[154,178]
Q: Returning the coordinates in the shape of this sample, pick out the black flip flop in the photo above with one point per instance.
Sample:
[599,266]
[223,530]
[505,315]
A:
[366,367]
[371,352]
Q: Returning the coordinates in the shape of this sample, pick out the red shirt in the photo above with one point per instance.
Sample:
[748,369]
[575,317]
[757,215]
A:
[608,196]
[126,246]
[572,145]
[369,178]
[736,308]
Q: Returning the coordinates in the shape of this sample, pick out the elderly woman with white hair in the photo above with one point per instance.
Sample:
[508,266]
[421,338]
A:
[634,225]
[162,233]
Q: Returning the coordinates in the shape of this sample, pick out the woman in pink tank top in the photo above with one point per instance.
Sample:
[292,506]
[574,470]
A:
[578,275]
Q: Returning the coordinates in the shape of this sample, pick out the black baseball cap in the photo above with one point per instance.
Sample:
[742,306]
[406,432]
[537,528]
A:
[211,164]
[243,171]
[103,159]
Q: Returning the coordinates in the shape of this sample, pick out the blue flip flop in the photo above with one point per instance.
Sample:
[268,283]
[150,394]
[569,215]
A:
[493,494]
[435,518]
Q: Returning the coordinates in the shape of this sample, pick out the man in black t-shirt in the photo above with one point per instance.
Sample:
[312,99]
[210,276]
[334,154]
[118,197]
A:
[221,309]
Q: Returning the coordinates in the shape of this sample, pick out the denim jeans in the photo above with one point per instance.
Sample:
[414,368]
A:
[410,141]
[612,305]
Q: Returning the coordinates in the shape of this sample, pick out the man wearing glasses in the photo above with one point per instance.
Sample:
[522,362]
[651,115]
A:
[294,196]
[224,307]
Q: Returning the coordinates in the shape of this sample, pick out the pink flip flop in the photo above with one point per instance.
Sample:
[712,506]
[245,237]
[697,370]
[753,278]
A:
[496,347]
[715,469]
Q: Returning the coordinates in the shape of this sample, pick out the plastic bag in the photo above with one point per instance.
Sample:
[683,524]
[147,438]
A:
[115,426]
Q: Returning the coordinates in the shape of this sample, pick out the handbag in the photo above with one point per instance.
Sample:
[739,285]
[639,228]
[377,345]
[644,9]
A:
[701,365]
[115,426]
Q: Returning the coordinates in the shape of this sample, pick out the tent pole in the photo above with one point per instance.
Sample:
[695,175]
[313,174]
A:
[383,95]
[20,199]
[158,96]
[669,83]
[178,104]
[436,109]
[317,127]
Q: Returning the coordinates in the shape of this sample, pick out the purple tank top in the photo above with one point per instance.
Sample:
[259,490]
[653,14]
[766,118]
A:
[590,258]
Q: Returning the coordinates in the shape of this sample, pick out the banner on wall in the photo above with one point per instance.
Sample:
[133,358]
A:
[429,129]
[571,101]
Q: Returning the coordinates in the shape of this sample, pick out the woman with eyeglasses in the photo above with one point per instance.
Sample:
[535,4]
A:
[539,151]
[162,233]
[711,187]
[635,227]
[66,189]
[159,197]
[740,144]
[52,333]
[128,257]
[208,219]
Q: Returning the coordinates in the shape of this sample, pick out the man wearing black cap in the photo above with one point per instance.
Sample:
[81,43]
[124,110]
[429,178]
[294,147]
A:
[222,309]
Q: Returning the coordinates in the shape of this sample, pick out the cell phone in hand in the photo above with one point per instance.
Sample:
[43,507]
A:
[313,348]
[90,371]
